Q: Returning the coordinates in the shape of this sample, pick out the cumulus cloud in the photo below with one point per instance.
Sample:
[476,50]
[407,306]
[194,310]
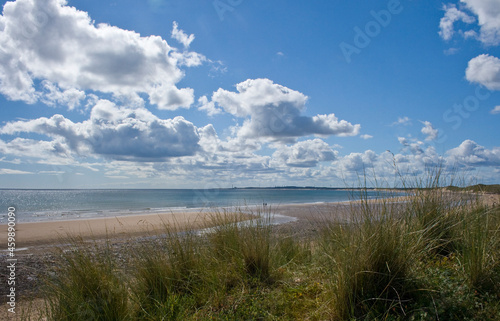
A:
[366,136]
[313,162]
[488,14]
[54,152]
[273,112]
[452,15]
[429,130]
[305,154]
[208,106]
[412,145]
[116,133]
[473,154]
[46,40]
[488,20]
[358,162]
[181,36]
[53,96]
[495,110]
[484,70]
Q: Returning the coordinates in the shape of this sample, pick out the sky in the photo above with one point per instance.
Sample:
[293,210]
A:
[223,93]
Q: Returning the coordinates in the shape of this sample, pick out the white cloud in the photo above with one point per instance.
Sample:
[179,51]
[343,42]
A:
[412,145]
[488,20]
[495,110]
[273,112]
[415,160]
[484,70]
[470,34]
[403,141]
[53,95]
[358,162]
[366,136]
[450,51]
[116,133]
[402,121]
[429,130]
[488,13]
[6,171]
[208,106]
[54,152]
[310,162]
[473,154]
[305,154]
[452,15]
[258,93]
[16,161]
[48,40]
[181,36]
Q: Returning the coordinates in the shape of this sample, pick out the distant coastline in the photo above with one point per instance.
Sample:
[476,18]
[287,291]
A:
[492,188]
[221,188]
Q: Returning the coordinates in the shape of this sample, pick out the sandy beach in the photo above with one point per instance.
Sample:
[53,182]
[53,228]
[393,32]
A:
[40,234]
[35,234]
[39,244]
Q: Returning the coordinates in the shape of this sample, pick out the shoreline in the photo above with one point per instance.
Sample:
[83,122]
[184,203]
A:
[95,206]
[35,234]
[75,215]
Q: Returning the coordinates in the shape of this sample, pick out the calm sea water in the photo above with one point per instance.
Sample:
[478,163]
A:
[51,205]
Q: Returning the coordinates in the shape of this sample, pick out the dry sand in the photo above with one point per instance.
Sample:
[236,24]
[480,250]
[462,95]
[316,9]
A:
[43,233]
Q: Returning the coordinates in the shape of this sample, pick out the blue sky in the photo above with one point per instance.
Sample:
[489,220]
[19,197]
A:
[209,94]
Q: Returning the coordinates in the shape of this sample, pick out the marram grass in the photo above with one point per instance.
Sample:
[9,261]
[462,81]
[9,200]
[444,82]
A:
[434,257]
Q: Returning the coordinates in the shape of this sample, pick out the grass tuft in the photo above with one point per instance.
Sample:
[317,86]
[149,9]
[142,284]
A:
[434,257]
[87,287]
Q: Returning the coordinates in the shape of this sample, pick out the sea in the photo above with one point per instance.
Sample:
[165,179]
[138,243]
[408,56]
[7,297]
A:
[45,205]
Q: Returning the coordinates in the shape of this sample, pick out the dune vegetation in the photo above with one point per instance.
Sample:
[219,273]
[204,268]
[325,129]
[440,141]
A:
[434,257]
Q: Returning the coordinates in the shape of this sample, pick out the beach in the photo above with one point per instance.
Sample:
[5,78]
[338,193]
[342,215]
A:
[37,234]
[39,245]
[33,236]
